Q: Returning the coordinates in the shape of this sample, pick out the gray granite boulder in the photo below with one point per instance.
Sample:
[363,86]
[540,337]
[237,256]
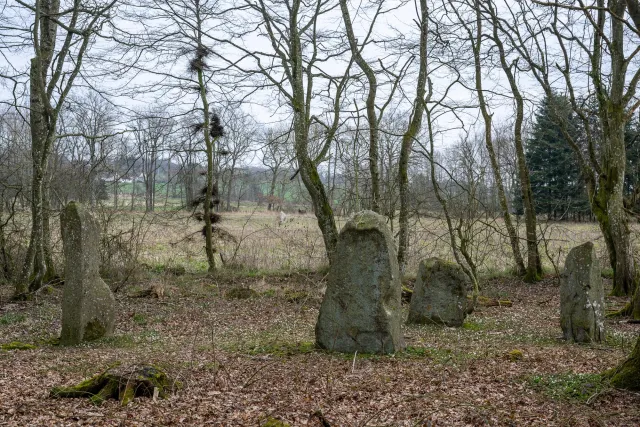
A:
[88,306]
[440,294]
[361,307]
[582,296]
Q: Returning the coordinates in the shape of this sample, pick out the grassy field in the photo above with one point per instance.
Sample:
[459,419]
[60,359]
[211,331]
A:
[262,245]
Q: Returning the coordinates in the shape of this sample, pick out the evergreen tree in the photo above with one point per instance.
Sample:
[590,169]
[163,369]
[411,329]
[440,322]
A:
[632,171]
[556,183]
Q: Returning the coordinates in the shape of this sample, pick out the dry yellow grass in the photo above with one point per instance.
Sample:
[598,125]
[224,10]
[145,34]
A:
[264,245]
[172,238]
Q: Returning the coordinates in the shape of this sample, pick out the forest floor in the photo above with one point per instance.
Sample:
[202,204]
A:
[252,362]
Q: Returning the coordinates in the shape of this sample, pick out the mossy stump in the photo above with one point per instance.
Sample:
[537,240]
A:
[123,384]
[627,374]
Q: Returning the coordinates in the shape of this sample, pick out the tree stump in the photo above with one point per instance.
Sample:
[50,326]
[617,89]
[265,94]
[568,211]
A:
[123,384]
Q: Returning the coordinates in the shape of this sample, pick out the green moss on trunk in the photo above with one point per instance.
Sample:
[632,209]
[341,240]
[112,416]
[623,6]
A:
[627,374]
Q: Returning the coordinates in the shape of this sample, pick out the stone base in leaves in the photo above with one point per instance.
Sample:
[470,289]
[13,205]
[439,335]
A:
[123,384]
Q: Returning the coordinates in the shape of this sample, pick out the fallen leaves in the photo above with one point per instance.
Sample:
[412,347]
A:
[243,362]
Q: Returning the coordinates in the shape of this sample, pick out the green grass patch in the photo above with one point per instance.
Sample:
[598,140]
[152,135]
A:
[12,318]
[470,325]
[568,386]
[140,319]
[293,296]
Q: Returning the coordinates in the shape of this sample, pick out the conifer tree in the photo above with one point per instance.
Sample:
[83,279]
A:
[555,176]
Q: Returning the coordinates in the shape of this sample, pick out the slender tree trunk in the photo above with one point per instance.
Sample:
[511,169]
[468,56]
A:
[407,140]
[115,194]
[167,187]
[92,172]
[534,265]
[133,194]
[231,176]
[372,118]
[272,190]
[46,233]
[488,139]
[307,167]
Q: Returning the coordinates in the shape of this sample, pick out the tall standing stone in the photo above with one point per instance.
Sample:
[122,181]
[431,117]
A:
[88,306]
[361,307]
[440,294]
[582,296]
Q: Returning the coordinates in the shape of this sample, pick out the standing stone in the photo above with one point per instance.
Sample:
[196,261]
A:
[88,306]
[440,294]
[361,307]
[582,296]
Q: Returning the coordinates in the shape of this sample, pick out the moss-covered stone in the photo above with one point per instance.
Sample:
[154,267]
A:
[582,296]
[88,305]
[17,345]
[515,355]
[95,329]
[440,294]
[274,422]
[240,293]
[361,306]
[123,384]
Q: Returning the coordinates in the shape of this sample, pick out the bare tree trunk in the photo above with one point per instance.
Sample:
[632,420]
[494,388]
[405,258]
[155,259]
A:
[46,232]
[407,139]
[133,194]
[229,188]
[272,190]
[115,194]
[372,118]
[308,168]
[534,265]
[488,139]
[609,210]
[35,269]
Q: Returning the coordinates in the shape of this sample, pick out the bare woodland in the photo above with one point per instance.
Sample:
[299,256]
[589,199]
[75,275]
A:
[222,145]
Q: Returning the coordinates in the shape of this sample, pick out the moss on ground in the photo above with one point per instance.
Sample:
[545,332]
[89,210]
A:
[515,355]
[17,345]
